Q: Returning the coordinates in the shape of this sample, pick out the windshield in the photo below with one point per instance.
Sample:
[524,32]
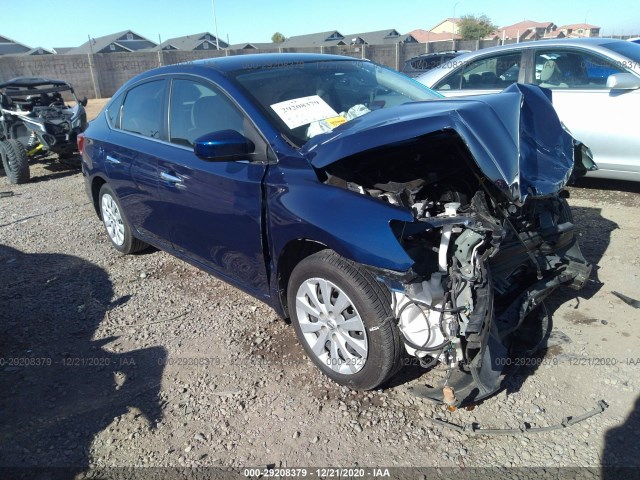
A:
[628,49]
[308,98]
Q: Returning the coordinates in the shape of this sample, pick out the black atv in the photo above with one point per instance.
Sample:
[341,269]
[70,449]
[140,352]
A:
[35,120]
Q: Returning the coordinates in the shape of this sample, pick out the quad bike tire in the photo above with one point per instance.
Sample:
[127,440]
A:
[15,161]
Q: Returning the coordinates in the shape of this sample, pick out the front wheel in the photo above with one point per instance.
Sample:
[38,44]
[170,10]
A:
[341,316]
[116,224]
[15,161]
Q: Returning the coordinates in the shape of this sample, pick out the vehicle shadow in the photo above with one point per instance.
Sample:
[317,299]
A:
[611,185]
[60,385]
[54,168]
[621,453]
[594,235]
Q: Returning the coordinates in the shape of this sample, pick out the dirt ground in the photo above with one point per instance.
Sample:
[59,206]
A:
[143,360]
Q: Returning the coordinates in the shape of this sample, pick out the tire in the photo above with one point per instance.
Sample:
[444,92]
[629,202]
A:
[369,352]
[3,173]
[115,224]
[566,215]
[15,161]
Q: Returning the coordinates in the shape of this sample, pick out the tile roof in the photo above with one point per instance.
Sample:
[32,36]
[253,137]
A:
[575,26]
[425,36]
[525,24]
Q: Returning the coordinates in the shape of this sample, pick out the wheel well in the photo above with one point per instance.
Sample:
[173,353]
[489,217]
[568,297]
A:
[96,185]
[292,254]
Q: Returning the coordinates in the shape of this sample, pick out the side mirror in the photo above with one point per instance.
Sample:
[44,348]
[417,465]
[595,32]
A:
[224,145]
[623,81]
[84,101]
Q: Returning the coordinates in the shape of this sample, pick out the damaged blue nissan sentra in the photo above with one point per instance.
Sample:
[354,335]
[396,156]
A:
[382,219]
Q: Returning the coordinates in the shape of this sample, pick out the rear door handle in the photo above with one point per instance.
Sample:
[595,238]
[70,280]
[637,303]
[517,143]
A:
[170,178]
[113,160]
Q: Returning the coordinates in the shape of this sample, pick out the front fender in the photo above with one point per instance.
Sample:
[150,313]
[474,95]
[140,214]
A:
[355,226]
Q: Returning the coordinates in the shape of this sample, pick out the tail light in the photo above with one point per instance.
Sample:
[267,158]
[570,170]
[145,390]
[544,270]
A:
[80,142]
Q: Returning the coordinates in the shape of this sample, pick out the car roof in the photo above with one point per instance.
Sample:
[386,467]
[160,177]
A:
[236,63]
[243,62]
[596,44]
[561,42]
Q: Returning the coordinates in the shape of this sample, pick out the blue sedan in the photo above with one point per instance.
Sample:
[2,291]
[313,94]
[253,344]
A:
[381,218]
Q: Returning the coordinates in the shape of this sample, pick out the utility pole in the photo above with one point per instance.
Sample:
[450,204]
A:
[453,30]
[215,23]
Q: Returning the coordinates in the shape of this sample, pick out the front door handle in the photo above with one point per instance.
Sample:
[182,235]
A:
[170,178]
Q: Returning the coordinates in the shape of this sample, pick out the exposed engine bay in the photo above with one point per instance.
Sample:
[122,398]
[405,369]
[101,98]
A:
[483,264]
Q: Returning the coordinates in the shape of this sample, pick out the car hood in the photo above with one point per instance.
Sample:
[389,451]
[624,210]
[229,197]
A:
[514,136]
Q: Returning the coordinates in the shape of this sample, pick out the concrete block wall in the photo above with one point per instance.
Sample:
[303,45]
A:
[100,75]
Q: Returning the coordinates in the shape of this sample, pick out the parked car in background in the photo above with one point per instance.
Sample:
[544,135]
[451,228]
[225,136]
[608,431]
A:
[634,40]
[595,84]
[377,215]
[36,119]
[422,63]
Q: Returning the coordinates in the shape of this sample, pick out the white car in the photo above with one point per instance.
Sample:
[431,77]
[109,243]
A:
[595,84]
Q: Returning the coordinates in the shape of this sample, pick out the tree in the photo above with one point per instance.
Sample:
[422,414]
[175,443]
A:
[471,27]
[277,38]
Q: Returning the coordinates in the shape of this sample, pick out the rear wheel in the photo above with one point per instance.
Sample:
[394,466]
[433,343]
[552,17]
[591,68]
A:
[341,317]
[15,161]
[115,224]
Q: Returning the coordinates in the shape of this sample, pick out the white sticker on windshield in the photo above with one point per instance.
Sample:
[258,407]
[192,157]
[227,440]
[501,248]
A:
[303,111]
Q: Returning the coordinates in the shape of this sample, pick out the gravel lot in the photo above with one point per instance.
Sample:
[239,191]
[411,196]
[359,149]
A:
[146,361]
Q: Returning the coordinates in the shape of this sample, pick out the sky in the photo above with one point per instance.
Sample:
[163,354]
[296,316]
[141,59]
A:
[256,21]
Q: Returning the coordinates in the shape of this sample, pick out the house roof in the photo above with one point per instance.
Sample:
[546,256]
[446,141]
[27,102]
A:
[330,38]
[575,26]
[380,37]
[425,36]
[9,46]
[523,30]
[12,48]
[334,37]
[191,42]
[525,24]
[253,45]
[512,33]
[62,50]
[554,34]
[100,44]
[450,19]
[39,51]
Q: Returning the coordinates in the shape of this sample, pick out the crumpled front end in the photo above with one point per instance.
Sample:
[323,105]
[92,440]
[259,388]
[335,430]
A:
[492,234]
[481,308]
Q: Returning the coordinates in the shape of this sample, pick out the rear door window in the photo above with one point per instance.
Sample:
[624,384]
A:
[488,73]
[113,112]
[492,73]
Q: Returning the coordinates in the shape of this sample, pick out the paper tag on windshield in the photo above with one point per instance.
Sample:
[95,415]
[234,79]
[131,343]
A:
[303,111]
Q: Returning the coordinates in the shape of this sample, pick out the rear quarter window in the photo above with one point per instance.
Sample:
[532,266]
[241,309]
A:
[143,109]
[113,111]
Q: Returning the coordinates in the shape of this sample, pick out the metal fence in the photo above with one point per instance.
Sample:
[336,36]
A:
[100,75]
